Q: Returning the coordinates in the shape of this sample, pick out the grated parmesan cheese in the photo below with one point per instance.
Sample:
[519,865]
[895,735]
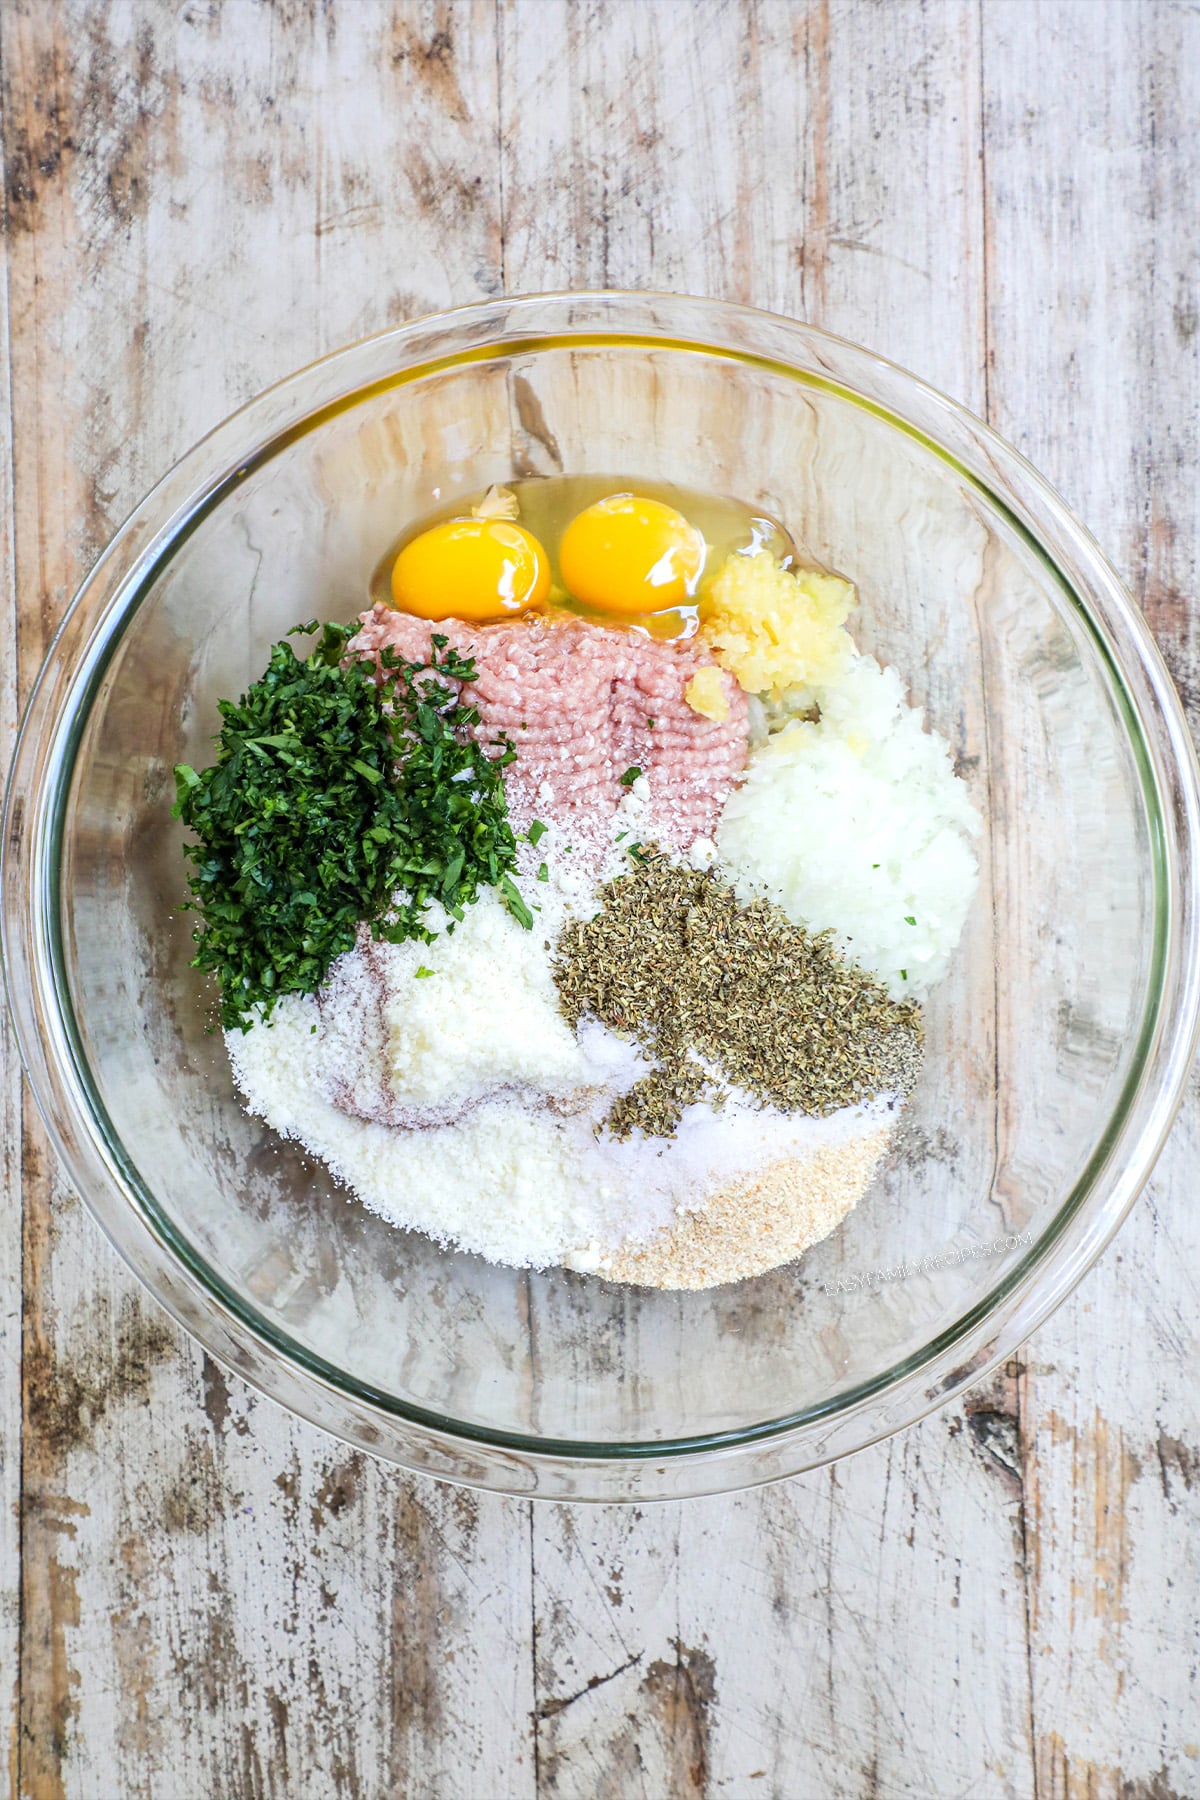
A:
[475,1011]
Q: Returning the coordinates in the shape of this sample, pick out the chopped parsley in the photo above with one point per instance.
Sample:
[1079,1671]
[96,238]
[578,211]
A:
[630,776]
[910,921]
[543,873]
[423,974]
[335,800]
[511,896]
[536,833]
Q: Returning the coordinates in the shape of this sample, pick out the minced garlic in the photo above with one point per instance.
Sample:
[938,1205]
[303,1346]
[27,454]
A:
[776,628]
[706,695]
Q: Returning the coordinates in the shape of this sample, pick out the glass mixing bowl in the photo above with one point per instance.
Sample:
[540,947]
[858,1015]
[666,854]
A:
[1057,1048]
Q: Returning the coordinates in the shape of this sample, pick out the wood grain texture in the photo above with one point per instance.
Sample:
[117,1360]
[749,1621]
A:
[214,1601]
[715,1647]
[202,1597]
[10,1157]
[1084,256]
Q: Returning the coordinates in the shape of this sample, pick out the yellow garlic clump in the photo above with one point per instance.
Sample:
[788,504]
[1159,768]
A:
[776,628]
[705,695]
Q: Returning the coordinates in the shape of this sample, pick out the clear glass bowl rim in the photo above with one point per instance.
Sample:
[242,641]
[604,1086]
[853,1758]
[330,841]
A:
[66,1094]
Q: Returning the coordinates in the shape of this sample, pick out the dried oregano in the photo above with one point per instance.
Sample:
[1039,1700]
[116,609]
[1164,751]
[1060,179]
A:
[715,991]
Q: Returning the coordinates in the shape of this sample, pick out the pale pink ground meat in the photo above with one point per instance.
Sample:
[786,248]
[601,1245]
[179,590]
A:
[582,704]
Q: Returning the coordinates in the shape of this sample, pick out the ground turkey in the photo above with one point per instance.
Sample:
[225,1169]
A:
[583,704]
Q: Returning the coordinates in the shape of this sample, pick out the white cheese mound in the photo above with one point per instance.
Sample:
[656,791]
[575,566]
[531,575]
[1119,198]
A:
[856,824]
[499,1182]
[483,1015]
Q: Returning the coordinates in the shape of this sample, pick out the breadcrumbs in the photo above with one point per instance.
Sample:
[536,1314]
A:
[758,1223]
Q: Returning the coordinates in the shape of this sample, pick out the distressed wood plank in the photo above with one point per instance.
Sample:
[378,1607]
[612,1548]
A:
[735,1645]
[744,1644]
[1094,273]
[10,1143]
[218,1600]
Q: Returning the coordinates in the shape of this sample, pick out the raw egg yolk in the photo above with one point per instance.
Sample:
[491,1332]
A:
[631,555]
[470,569]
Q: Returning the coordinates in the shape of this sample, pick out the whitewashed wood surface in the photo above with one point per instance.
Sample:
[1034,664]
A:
[200,1596]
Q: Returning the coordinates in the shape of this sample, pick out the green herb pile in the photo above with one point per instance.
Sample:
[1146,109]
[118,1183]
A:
[335,799]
